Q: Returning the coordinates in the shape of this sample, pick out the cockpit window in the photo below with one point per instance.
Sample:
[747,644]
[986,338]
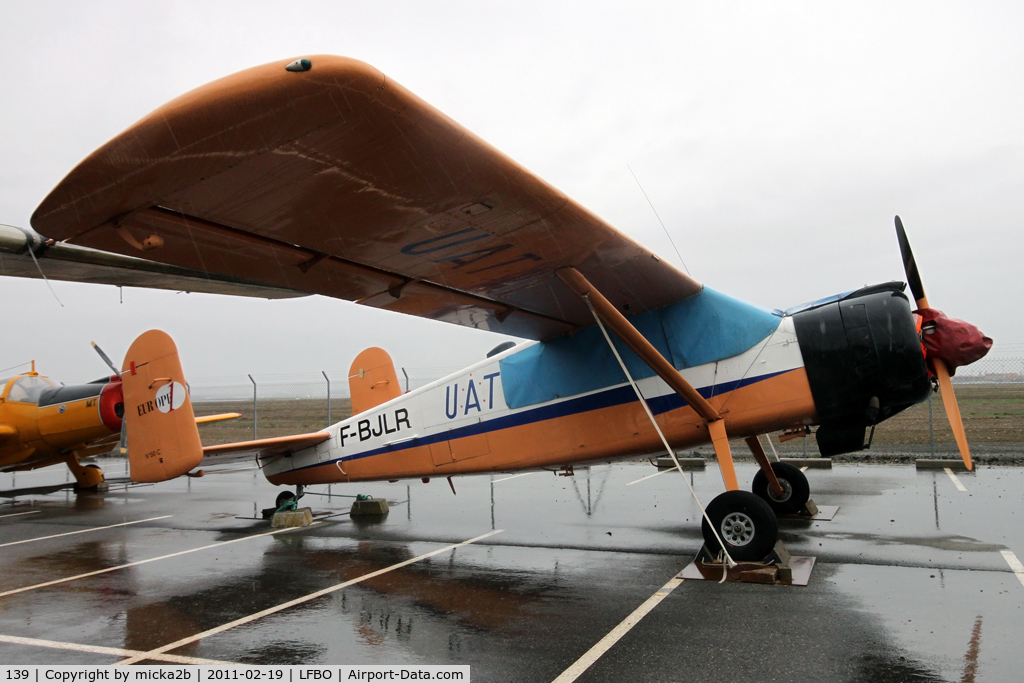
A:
[27,389]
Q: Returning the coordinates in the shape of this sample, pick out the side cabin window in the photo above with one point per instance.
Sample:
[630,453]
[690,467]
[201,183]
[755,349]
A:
[27,389]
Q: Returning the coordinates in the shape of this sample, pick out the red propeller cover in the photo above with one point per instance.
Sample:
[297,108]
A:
[954,341]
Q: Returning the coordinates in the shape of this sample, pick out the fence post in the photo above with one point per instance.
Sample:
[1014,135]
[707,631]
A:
[324,373]
[253,407]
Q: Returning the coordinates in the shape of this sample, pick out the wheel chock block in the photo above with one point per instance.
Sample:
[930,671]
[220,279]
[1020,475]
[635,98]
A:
[778,568]
[371,507]
[685,463]
[763,575]
[292,518]
[810,463]
[932,464]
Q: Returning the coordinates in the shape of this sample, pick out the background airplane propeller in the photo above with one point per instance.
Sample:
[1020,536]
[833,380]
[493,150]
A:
[939,367]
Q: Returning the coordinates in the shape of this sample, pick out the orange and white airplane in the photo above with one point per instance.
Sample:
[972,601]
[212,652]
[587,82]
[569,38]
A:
[322,175]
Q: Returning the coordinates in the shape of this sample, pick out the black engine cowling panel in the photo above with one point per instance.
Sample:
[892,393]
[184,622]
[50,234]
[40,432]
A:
[862,347]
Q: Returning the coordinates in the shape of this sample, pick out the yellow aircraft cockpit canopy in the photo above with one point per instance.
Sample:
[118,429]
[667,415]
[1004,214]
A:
[26,388]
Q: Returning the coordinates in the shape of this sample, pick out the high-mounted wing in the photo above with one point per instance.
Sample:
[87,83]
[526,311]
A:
[330,178]
[61,261]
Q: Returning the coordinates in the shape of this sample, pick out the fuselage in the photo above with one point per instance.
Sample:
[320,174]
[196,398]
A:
[42,423]
[845,362]
[463,423]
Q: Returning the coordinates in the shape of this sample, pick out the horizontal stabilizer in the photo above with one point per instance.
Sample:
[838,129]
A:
[220,417]
[244,450]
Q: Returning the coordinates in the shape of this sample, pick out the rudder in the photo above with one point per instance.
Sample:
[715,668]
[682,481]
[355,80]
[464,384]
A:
[372,380]
[163,441]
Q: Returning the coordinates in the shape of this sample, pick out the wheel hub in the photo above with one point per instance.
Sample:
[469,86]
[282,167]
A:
[737,529]
[787,491]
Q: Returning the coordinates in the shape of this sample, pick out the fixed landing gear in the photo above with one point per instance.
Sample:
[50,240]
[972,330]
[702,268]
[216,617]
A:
[286,497]
[745,523]
[795,489]
[87,477]
[286,500]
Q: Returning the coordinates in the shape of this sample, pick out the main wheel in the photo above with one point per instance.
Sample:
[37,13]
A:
[283,498]
[745,523]
[795,489]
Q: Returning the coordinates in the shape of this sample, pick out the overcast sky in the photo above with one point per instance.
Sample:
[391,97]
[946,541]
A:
[777,141]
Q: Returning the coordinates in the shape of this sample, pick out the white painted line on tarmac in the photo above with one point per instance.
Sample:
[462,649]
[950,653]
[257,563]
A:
[152,559]
[15,514]
[669,469]
[955,480]
[1015,564]
[99,649]
[512,477]
[297,601]
[804,468]
[83,531]
[605,644]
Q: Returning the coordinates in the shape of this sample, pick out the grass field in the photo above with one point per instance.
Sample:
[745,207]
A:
[993,416]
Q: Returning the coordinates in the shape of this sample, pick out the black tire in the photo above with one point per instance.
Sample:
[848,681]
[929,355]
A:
[283,498]
[798,491]
[746,524]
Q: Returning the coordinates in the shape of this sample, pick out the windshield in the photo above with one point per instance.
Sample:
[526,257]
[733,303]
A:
[27,389]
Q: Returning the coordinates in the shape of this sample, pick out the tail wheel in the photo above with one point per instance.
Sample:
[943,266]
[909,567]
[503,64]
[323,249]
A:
[283,497]
[795,494]
[745,524]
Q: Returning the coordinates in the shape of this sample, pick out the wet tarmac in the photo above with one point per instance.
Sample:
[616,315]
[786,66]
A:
[913,579]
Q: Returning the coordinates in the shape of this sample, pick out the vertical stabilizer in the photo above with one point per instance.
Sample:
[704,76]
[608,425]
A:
[163,441]
[372,380]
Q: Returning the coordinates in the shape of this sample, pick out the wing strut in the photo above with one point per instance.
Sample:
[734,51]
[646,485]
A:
[610,316]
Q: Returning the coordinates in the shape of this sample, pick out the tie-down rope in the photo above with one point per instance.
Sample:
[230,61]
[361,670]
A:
[643,401]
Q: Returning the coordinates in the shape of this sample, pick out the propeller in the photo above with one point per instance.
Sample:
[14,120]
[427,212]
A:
[122,446]
[110,363]
[939,365]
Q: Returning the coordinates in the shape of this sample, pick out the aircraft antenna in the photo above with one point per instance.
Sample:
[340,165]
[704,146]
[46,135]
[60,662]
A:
[17,366]
[669,236]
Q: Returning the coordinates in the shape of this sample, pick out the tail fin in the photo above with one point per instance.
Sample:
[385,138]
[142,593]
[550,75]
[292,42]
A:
[372,380]
[163,441]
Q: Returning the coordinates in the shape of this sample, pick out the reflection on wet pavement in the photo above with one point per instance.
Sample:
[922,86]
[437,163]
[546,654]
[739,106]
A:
[909,585]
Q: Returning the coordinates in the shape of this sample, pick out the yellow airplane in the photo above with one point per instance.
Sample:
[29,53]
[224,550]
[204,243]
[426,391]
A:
[43,424]
[323,176]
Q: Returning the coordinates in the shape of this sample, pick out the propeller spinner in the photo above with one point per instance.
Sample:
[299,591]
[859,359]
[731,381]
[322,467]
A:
[122,446]
[955,343]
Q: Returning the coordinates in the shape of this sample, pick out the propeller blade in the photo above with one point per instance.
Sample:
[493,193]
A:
[910,266]
[106,358]
[952,410]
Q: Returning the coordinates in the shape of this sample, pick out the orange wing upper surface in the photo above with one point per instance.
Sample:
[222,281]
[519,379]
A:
[338,181]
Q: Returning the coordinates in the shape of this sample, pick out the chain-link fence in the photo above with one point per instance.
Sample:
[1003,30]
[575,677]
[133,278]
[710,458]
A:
[992,371]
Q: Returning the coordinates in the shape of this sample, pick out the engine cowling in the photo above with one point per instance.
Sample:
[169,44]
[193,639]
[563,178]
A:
[864,362]
[112,404]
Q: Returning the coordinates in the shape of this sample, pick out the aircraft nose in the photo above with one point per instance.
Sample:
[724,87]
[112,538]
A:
[953,341]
